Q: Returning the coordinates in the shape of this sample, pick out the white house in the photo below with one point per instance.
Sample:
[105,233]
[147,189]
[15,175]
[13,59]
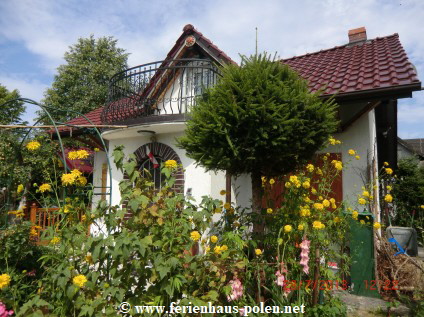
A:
[366,77]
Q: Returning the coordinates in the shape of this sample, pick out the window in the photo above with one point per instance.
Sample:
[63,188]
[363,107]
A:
[147,169]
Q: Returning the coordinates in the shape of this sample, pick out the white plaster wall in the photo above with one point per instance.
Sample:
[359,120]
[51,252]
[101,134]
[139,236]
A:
[195,177]
[99,160]
[359,137]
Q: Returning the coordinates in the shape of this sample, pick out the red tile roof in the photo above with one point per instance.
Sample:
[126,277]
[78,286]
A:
[94,116]
[377,63]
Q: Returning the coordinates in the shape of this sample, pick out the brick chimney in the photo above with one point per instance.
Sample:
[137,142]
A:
[357,35]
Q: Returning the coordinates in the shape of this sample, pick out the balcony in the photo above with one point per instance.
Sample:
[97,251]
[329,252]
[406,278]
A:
[162,91]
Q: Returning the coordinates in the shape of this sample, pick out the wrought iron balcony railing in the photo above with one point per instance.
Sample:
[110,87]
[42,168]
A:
[161,88]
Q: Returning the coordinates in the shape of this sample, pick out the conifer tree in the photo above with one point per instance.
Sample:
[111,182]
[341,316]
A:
[259,119]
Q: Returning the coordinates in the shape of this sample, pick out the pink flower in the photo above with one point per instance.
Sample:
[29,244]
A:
[280,278]
[4,312]
[236,290]
[241,311]
[304,255]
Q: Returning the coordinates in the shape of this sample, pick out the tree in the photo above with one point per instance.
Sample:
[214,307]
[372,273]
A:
[259,119]
[82,83]
[11,112]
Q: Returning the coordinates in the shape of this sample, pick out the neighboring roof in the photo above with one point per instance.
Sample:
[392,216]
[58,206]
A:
[375,64]
[416,145]
[93,116]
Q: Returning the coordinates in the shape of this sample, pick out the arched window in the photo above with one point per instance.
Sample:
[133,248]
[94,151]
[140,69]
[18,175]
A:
[149,169]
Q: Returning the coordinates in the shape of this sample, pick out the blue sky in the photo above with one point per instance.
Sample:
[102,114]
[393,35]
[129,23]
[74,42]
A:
[34,34]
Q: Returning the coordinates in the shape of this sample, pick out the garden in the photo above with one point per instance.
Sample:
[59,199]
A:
[289,251]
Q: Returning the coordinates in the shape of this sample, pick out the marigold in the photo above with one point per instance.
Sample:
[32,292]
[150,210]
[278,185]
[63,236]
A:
[319,171]
[310,168]
[45,187]
[288,228]
[227,206]
[82,181]
[351,152]
[365,193]
[96,149]
[318,206]
[422,206]
[326,203]
[222,192]
[306,184]
[306,199]
[300,227]
[355,215]
[332,141]
[20,188]
[388,198]
[318,225]
[357,157]
[338,166]
[171,164]
[362,201]
[84,218]
[55,240]
[377,225]
[389,171]
[195,236]
[305,212]
[79,280]
[224,247]
[293,178]
[287,184]
[207,249]
[4,280]
[217,250]
[269,210]
[33,145]
[272,181]
[214,239]
[313,191]
[362,222]
[218,210]
[389,188]
[336,219]
[68,179]
[258,252]
[386,164]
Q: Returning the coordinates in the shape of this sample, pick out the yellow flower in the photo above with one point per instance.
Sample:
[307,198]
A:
[389,188]
[33,145]
[307,199]
[293,178]
[224,247]
[258,252]
[214,239]
[320,198]
[171,164]
[365,193]
[79,280]
[4,280]
[326,203]
[310,168]
[89,258]
[67,208]
[332,200]
[83,217]
[318,225]
[377,225]
[300,227]
[388,198]
[336,219]
[68,179]
[73,155]
[195,236]
[45,187]
[269,210]
[96,149]
[222,192]
[55,240]
[355,215]
[386,164]
[20,188]
[422,206]
[332,141]
[218,210]
[272,181]
[83,154]
[389,171]
[306,184]
[82,180]
[357,157]
[319,171]
[334,206]
[287,228]
[338,142]
[217,250]
[227,206]
[305,212]
[313,191]
[338,166]
[362,201]
[76,173]
[207,249]
[287,184]
[362,222]
[318,206]
[351,152]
